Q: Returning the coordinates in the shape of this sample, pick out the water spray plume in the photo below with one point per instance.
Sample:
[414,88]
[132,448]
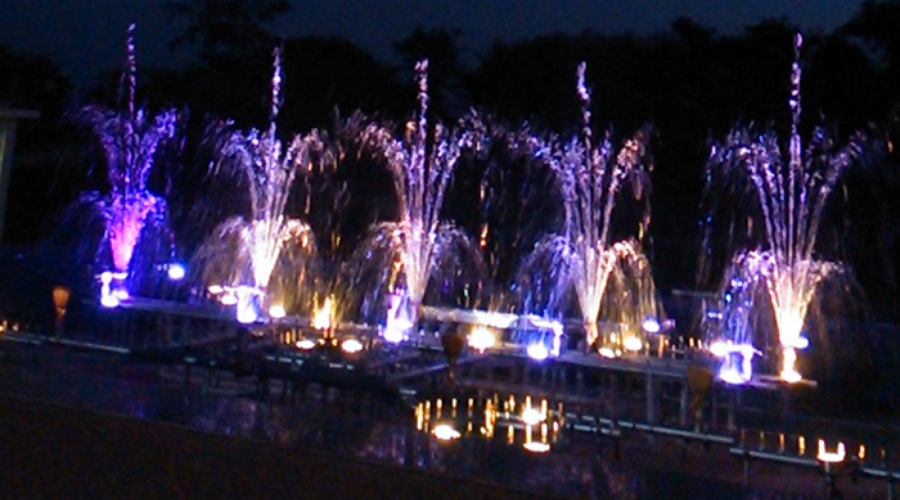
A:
[590,177]
[421,164]
[249,251]
[130,140]
[791,197]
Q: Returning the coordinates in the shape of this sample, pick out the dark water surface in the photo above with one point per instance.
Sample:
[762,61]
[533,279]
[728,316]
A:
[374,427]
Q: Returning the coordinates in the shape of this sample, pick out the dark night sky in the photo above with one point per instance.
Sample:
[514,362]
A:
[85,36]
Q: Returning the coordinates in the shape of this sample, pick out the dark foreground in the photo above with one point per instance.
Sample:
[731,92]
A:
[52,451]
[93,425]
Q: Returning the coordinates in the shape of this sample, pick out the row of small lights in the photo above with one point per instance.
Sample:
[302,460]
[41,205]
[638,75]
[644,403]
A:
[823,454]
[4,327]
[480,339]
[349,346]
[530,416]
[111,296]
[483,338]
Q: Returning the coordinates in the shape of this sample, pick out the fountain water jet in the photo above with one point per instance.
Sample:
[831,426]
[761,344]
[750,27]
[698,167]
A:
[130,140]
[406,254]
[791,197]
[590,178]
[242,256]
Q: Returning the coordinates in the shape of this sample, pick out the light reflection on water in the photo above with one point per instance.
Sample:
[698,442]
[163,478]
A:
[492,445]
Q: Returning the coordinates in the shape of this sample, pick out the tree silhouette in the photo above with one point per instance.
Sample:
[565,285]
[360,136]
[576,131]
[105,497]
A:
[324,74]
[445,67]
[876,25]
[225,29]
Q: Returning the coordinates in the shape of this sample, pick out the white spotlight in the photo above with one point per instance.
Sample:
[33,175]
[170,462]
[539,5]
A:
[176,272]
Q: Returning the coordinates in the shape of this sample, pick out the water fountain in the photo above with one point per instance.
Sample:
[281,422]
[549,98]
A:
[791,197]
[260,263]
[130,139]
[585,255]
[734,315]
[400,258]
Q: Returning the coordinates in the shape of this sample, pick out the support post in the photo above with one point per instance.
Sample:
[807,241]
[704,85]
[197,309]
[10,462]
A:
[651,407]
[713,418]
[746,469]
[732,408]
[786,401]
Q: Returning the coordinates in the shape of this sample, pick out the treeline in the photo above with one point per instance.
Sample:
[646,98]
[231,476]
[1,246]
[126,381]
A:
[689,81]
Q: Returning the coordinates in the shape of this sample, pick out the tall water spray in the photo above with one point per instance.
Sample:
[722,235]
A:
[130,139]
[791,196]
[591,177]
[419,245]
[240,258]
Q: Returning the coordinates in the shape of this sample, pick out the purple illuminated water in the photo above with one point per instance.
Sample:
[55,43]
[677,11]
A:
[130,140]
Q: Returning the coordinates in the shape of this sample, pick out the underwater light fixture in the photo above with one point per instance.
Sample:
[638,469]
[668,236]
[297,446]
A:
[737,361]
[247,315]
[538,352]
[110,295]
[536,447]
[393,334]
[306,344]
[229,299]
[532,416]
[632,343]
[791,376]
[277,311]
[445,432]
[731,376]
[176,271]
[651,325]
[246,312]
[481,339]
[351,346]
[608,352]
[827,456]
[109,301]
